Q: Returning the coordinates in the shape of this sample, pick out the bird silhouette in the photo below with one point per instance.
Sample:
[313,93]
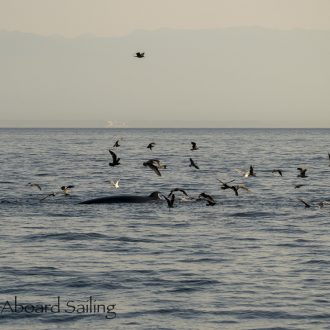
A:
[170,201]
[154,165]
[115,159]
[193,164]
[302,173]
[208,198]
[151,145]
[194,146]
[139,55]
[280,172]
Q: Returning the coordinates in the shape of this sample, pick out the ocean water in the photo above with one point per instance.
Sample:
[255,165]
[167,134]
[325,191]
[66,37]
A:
[259,260]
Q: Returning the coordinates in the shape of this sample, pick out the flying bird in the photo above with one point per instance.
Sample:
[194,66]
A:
[49,195]
[193,164]
[177,189]
[66,189]
[151,145]
[151,164]
[302,173]
[235,188]
[280,172]
[225,185]
[305,203]
[170,201]
[115,184]
[31,184]
[116,145]
[248,173]
[208,198]
[139,55]
[115,159]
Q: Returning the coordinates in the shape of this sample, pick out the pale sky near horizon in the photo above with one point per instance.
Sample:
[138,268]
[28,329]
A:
[225,77]
[71,18]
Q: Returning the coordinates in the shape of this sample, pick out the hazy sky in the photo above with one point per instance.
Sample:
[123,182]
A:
[119,17]
[194,70]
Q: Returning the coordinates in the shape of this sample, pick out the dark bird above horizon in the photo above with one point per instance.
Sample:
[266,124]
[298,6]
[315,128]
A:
[139,55]
[302,173]
[193,164]
[151,145]
[194,146]
[115,159]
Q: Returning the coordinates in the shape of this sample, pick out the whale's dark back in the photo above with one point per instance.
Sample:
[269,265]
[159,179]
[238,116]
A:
[122,199]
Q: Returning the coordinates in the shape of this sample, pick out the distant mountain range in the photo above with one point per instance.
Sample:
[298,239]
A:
[231,77]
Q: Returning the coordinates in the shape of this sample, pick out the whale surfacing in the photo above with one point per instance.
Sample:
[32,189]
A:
[154,196]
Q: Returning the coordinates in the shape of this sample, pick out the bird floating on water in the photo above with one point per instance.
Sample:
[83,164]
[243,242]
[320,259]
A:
[194,146]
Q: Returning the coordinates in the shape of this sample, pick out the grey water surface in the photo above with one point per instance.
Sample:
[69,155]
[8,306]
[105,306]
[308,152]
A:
[257,261]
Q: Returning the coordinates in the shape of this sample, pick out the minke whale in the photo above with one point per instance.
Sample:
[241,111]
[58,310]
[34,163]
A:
[153,197]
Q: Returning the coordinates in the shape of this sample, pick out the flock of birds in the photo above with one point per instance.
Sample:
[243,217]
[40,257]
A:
[157,166]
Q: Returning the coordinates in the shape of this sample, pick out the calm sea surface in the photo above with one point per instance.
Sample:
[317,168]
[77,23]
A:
[257,261]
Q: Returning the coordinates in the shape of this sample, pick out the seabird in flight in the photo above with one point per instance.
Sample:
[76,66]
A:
[66,189]
[306,204]
[115,159]
[208,198]
[280,172]
[31,184]
[151,145]
[302,173]
[192,163]
[139,55]
[151,164]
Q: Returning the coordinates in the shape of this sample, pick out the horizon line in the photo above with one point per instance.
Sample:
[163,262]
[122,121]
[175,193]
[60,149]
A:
[92,35]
